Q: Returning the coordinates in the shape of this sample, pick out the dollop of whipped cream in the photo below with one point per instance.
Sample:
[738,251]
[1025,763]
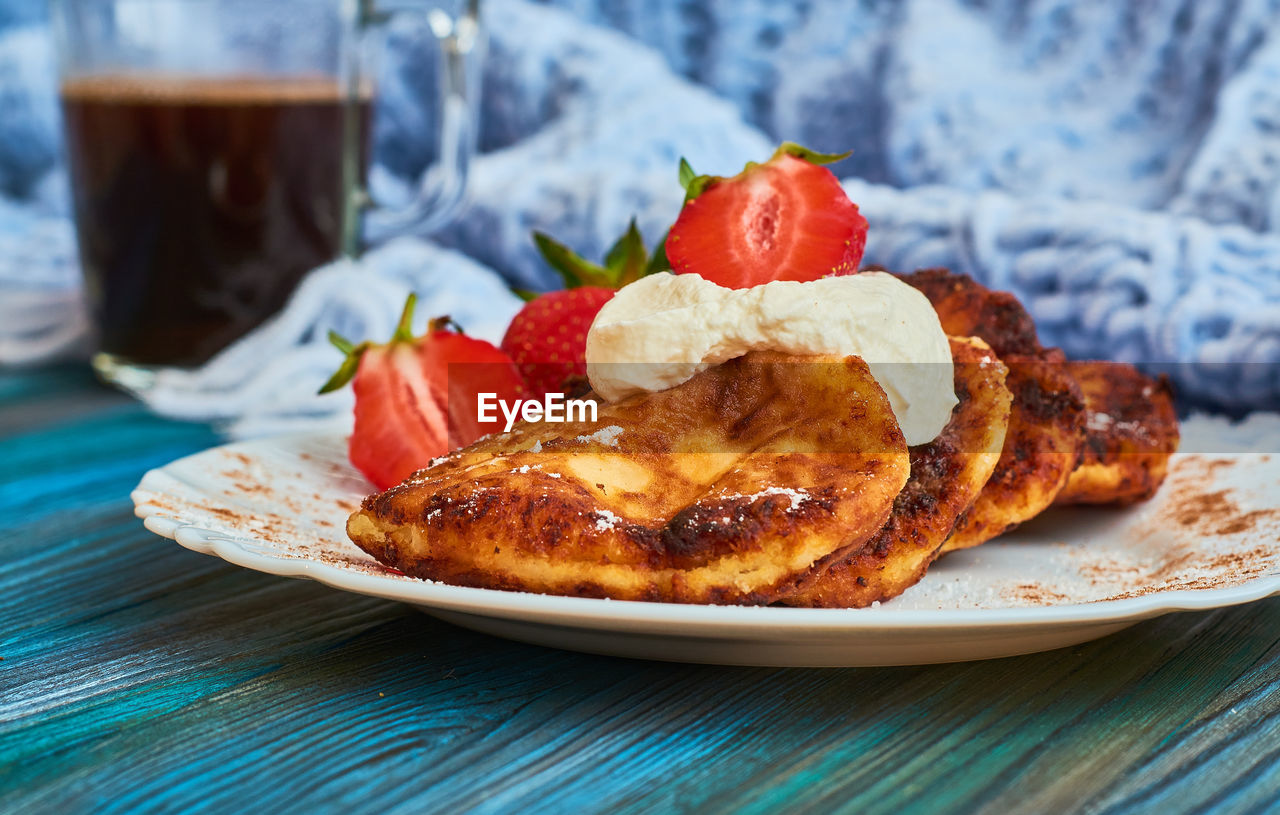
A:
[663,329]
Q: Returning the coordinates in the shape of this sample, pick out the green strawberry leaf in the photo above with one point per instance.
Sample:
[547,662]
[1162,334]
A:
[658,262]
[345,373]
[352,352]
[341,343]
[687,175]
[790,148]
[576,270]
[698,186]
[350,362]
[694,184]
[627,259]
[404,328]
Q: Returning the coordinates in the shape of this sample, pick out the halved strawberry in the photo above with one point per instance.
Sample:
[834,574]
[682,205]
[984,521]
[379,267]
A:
[547,339]
[416,398]
[785,219]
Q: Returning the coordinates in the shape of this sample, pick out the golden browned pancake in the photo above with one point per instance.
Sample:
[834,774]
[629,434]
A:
[722,490]
[1046,424]
[947,475]
[1040,450]
[1131,429]
[969,309]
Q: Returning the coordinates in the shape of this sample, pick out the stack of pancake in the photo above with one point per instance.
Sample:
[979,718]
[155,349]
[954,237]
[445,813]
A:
[782,479]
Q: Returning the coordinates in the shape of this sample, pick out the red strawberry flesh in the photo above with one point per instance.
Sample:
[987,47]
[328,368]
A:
[417,398]
[399,424]
[786,219]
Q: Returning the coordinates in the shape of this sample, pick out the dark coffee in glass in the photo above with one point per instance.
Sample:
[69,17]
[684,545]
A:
[217,153]
[201,203]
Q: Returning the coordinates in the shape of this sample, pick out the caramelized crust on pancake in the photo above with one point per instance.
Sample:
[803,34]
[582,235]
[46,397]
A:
[947,475]
[724,489]
[1046,425]
[1040,450]
[969,309]
[1131,429]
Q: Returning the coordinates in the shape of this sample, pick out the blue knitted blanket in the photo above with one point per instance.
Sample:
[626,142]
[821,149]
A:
[1116,165]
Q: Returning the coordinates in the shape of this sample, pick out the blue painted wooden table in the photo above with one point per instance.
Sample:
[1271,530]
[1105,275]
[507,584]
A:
[139,676]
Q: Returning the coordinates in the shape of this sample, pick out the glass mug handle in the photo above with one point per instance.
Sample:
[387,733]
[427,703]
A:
[440,189]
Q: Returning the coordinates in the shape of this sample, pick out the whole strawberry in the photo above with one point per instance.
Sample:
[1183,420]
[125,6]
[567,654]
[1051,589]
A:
[785,219]
[547,339]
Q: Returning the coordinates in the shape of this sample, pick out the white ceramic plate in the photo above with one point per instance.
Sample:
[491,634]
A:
[1211,538]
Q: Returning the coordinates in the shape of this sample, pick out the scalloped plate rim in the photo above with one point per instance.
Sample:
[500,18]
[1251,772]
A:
[698,619]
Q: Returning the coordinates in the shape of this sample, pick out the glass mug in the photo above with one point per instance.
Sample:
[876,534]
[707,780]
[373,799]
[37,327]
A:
[218,152]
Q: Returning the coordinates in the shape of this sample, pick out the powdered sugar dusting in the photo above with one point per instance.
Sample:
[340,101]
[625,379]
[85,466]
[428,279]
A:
[607,436]
[797,496]
[605,520]
[1106,423]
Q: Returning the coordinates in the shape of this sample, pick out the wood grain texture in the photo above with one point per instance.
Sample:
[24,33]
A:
[137,676]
